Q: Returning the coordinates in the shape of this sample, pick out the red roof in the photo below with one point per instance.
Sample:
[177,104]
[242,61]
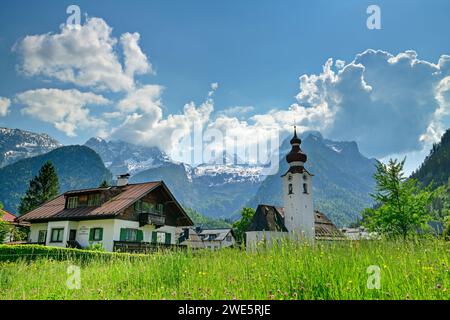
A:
[9,217]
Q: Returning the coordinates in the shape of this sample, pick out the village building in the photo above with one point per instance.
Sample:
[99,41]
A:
[297,220]
[217,238]
[113,217]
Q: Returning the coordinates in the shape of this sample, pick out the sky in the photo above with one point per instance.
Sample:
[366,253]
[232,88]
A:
[151,72]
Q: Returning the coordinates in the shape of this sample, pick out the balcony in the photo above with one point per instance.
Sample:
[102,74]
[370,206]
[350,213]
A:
[156,219]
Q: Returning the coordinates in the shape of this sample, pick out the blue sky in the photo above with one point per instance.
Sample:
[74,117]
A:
[255,50]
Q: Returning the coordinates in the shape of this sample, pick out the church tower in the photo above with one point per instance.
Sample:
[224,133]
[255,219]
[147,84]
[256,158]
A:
[297,193]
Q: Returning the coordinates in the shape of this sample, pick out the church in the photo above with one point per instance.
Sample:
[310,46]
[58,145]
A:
[297,220]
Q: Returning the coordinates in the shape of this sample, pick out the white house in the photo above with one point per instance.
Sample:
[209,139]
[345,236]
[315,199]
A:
[126,213]
[297,220]
[217,238]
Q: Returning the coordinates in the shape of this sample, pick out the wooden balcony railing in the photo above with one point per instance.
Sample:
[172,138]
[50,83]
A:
[152,218]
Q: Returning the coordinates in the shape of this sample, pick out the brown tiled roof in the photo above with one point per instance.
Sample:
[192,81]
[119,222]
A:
[271,218]
[55,209]
[325,228]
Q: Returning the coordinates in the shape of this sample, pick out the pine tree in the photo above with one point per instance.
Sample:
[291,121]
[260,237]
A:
[42,188]
[104,184]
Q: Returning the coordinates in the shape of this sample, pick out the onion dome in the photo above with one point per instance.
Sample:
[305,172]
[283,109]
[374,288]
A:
[296,154]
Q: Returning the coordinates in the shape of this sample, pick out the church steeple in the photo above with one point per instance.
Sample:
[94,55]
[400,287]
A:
[296,157]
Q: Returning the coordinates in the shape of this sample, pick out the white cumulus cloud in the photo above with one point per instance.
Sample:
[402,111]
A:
[86,56]
[66,109]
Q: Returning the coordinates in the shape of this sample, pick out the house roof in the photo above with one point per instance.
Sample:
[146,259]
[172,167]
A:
[189,237]
[268,218]
[271,218]
[325,229]
[126,196]
[6,216]
[220,233]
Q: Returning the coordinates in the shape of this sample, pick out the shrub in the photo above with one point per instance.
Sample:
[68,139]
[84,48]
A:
[32,252]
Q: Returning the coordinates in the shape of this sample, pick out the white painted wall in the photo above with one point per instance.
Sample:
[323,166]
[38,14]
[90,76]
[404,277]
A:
[33,236]
[217,244]
[111,231]
[83,231]
[298,207]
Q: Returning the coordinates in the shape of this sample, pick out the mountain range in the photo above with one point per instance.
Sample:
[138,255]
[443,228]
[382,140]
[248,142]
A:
[16,144]
[342,182]
[77,167]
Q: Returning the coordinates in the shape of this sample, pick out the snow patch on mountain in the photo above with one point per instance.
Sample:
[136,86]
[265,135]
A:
[16,144]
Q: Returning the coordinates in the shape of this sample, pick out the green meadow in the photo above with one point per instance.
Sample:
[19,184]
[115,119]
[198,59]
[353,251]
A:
[407,270]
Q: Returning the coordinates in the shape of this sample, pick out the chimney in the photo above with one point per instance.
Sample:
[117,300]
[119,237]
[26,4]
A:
[122,180]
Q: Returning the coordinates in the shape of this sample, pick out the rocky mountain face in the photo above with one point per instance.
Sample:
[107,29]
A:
[18,144]
[121,157]
[343,178]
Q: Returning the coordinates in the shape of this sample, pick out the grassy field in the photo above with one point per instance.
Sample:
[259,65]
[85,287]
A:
[409,270]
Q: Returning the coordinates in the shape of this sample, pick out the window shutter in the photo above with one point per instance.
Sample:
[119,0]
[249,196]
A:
[123,234]
[154,237]
[101,234]
[91,234]
[168,238]
[140,235]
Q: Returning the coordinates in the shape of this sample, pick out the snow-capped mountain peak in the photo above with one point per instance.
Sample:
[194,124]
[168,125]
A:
[16,144]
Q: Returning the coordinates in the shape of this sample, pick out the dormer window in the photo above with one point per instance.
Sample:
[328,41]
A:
[72,202]
[84,200]
[94,200]
[291,191]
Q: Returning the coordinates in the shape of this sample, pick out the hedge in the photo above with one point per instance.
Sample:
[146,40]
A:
[31,252]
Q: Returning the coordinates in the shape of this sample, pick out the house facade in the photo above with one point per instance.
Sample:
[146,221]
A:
[126,213]
[297,219]
[217,238]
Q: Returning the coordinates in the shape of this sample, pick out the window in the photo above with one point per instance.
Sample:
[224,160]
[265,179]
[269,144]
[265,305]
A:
[96,234]
[142,206]
[42,236]
[133,235]
[228,238]
[291,191]
[94,200]
[57,235]
[305,188]
[289,177]
[72,202]
[82,200]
